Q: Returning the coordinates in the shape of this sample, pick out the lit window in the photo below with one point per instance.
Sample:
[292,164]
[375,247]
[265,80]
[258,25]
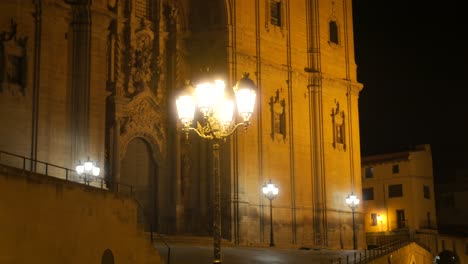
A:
[373,219]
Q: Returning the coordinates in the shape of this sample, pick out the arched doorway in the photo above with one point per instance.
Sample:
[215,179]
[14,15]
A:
[139,170]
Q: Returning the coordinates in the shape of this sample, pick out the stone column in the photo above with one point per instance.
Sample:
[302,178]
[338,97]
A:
[315,118]
[116,154]
[80,82]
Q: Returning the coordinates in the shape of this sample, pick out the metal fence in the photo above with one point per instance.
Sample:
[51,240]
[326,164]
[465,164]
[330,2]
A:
[51,170]
[365,256]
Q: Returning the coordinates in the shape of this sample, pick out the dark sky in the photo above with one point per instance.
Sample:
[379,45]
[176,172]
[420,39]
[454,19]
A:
[412,59]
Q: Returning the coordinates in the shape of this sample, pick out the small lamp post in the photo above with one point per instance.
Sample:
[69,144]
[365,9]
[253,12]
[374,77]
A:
[352,201]
[89,169]
[216,124]
[270,191]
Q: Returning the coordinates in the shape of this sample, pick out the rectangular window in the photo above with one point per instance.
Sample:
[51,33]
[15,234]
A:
[333,32]
[142,8]
[368,194]
[428,214]
[401,220]
[427,193]
[275,12]
[369,172]
[395,169]
[395,190]
[339,134]
[373,219]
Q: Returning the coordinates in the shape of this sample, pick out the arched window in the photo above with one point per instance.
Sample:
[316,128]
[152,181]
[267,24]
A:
[107,257]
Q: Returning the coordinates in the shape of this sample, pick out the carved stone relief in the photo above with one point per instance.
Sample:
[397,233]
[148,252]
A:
[143,117]
[141,54]
[338,124]
[12,61]
[278,117]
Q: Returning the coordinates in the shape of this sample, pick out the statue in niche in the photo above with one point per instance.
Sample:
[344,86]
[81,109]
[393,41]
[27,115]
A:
[278,117]
[12,61]
[338,124]
[142,56]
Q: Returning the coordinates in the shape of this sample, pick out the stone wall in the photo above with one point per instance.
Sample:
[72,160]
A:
[49,220]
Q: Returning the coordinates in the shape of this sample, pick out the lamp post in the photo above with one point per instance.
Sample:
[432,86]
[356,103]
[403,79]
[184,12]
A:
[89,169]
[352,201]
[270,191]
[216,124]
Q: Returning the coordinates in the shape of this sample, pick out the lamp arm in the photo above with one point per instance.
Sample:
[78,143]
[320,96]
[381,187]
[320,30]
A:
[188,129]
[245,124]
[209,133]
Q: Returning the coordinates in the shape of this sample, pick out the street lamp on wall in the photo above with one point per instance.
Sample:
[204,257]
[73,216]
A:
[216,124]
[353,202]
[270,191]
[89,170]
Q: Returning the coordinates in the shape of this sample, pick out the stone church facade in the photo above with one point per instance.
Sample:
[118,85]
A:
[99,79]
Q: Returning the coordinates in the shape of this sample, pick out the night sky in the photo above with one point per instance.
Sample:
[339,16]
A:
[412,59]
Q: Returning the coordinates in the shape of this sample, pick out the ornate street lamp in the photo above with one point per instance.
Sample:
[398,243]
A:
[89,170]
[217,110]
[352,201]
[270,191]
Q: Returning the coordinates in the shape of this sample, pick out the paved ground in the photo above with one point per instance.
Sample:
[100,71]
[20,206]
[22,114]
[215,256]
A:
[202,253]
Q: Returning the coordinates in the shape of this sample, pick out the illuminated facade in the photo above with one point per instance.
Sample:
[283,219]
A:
[98,78]
[398,191]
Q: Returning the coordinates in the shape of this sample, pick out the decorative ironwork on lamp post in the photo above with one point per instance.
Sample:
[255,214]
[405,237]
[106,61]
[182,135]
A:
[216,124]
[270,191]
[352,201]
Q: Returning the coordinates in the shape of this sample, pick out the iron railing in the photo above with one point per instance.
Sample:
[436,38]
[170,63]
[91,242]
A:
[51,170]
[365,256]
[149,221]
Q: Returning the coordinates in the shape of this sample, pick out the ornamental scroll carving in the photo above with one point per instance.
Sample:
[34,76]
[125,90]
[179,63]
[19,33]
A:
[12,61]
[143,116]
[338,124]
